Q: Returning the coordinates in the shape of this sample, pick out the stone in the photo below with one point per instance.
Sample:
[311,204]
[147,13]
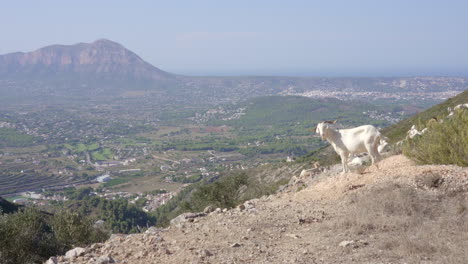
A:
[186,217]
[208,209]
[106,259]
[76,252]
[99,224]
[52,260]
[249,205]
[235,245]
[152,230]
[205,253]
[116,237]
[346,243]
[241,207]
[95,246]
[293,236]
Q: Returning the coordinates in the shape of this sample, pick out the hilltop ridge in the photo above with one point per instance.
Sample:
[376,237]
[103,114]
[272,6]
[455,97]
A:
[398,212]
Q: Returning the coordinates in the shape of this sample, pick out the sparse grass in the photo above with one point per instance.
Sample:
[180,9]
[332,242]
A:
[419,224]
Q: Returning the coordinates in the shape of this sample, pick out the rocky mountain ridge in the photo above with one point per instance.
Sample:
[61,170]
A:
[101,57]
[395,212]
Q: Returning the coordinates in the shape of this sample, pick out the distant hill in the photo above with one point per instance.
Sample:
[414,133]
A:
[281,111]
[103,58]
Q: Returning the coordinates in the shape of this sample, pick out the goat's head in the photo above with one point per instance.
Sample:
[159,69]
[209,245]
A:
[322,127]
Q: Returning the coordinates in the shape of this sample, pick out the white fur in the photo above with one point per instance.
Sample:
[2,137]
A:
[351,141]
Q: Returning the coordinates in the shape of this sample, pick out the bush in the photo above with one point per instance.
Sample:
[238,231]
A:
[224,193]
[72,230]
[443,143]
[25,237]
[32,236]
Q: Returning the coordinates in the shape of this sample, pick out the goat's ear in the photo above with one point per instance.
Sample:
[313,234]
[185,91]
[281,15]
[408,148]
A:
[330,122]
[334,122]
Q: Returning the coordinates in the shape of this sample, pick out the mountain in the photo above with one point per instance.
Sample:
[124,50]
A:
[103,58]
[105,71]
[65,74]
[100,58]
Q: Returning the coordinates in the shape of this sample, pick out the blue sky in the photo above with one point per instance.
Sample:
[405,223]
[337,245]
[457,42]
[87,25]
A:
[257,37]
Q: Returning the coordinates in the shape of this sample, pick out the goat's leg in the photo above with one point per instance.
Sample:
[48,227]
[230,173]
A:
[374,154]
[344,162]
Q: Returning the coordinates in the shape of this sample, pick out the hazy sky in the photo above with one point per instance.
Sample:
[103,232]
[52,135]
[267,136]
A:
[315,38]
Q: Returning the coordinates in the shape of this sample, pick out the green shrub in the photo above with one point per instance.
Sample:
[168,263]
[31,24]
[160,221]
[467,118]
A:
[443,143]
[72,229]
[25,237]
[32,236]
[224,193]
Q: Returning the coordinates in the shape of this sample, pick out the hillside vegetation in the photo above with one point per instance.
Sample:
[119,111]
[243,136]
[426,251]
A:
[398,131]
[31,236]
[443,143]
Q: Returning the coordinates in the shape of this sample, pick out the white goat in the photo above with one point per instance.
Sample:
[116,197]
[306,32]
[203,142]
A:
[459,107]
[413,132]
[351,141]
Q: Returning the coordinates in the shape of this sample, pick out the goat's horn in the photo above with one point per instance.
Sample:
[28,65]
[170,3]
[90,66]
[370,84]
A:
[330,122]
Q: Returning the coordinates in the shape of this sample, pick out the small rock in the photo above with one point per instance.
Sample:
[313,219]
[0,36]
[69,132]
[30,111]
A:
[75,252]
[99,224]
[205,253]
[249,204]
[95,246]
[225,210]
[186,217]
[235,245]
[152,230]
[208,209]
[52,260]
[293,236]
[241,207]
[115,237]
[105,260]
[346,243]
[218,210]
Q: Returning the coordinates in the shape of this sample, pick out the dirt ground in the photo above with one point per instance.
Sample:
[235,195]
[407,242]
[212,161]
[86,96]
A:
[396,213]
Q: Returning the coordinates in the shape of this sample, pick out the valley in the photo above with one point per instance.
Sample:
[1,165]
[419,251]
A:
[126,129]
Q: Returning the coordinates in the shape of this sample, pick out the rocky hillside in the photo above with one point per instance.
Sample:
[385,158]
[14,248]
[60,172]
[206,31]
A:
[397,212]
[101,58]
